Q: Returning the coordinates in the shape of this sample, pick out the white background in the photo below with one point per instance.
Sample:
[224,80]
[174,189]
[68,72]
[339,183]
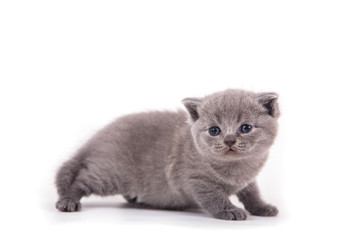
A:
[69,67]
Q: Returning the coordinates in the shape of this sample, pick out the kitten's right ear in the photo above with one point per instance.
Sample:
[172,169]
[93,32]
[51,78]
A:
[192,105]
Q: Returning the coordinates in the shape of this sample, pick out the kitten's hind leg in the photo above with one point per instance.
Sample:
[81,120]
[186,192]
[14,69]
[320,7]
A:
[93,175]
[69,193]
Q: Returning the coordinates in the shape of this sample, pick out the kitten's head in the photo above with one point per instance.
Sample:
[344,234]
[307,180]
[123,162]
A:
[234,123]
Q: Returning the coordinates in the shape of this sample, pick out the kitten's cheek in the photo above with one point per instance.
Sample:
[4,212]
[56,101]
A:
[206,144]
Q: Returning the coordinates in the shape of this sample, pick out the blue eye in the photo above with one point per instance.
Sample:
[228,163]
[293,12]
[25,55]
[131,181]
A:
[214,131]
[245,128]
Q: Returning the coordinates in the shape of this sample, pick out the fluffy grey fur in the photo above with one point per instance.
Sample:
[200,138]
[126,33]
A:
[170,160]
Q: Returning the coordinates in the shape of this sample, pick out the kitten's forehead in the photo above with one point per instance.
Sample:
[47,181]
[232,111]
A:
[230,105]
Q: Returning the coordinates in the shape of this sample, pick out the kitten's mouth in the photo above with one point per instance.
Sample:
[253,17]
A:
[230,151]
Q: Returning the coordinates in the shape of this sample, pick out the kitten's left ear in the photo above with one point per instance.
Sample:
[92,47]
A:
[192,105]
[269,101]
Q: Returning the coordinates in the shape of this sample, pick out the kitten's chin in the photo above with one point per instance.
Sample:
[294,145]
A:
[231,154]
[226,155]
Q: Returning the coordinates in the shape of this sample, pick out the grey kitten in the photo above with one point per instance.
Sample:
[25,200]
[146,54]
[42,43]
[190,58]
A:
[176,160]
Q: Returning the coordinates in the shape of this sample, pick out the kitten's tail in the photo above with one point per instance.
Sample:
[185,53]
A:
[67,173]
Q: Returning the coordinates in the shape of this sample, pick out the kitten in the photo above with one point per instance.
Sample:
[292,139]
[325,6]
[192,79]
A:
[178,160]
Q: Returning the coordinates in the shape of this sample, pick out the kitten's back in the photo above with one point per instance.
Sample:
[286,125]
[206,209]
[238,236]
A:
[145,134]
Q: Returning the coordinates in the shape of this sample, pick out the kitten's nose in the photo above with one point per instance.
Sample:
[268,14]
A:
[229,140]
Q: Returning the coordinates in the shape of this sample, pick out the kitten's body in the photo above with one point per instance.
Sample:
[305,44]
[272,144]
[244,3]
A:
[158,159]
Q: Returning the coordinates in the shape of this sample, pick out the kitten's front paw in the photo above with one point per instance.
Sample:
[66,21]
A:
[232,214]
[68,205]
[264,210]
